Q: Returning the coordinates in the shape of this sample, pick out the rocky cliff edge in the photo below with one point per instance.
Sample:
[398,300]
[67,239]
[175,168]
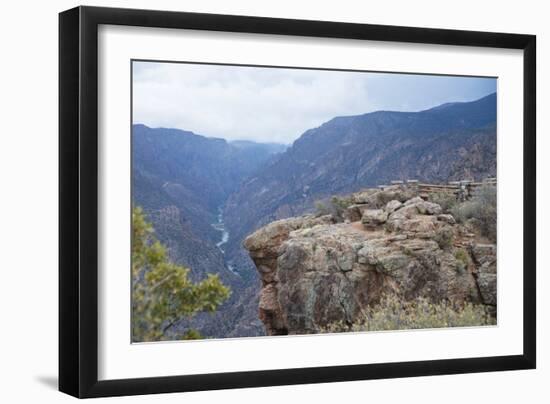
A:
[320,270]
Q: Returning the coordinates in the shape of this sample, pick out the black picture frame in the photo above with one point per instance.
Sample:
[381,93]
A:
[78,201]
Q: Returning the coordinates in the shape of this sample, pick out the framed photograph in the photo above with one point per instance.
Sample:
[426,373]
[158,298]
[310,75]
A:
[251,201]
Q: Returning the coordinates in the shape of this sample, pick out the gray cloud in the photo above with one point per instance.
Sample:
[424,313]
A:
[278,105]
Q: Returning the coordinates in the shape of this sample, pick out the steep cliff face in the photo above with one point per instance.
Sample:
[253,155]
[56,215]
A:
[316,272]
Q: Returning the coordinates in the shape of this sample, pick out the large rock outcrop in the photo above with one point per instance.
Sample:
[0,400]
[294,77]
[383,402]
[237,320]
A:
[316,272]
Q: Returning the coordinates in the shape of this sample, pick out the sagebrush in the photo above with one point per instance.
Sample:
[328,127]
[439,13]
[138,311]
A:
[481,209]
[446,200]
[394,314]
[335,207]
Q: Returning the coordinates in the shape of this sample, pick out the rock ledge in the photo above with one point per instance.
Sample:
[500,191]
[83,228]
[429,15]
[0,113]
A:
[316,272]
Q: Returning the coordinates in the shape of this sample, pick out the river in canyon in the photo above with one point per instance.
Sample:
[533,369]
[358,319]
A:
[224,238]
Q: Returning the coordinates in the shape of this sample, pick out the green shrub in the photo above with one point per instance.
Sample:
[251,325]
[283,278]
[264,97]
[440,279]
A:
[336,207]
[192,334]
[382,198]
[444,199]
[462,260]
[340,202]
[162,292]
[339,206]
[483,208]
[321,209]
[393,314]
[444,238]
[465,210]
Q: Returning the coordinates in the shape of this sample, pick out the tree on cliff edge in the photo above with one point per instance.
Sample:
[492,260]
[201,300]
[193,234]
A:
[162,292]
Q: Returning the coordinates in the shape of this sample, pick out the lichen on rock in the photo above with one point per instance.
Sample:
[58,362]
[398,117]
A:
[316,271]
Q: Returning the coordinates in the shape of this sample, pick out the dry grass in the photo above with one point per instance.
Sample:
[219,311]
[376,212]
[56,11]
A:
[483,209]
[392,314]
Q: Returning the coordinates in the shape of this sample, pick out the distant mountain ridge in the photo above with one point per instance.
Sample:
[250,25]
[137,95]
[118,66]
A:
[210,167]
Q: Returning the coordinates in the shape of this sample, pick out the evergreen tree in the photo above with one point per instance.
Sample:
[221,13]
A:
[162,292]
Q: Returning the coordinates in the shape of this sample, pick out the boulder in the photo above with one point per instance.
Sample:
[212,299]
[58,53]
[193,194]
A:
[379,198]
[353,213]
[392,206]
[446,218]
[424,207]
[429,208]
[362,197]
[484,255]
[266,240]
[413,201]
[415,215]
[374,217]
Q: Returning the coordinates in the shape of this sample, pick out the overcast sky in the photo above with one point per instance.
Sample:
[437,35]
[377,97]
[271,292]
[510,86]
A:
[278,105]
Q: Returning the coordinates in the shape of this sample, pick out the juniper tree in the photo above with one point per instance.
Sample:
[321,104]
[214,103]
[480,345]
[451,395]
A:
[162,292]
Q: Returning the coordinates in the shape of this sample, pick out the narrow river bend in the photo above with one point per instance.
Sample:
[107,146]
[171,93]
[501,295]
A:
[224,238]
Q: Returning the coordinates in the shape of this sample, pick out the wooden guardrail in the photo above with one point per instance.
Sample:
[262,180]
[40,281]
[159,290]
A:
[464,189]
